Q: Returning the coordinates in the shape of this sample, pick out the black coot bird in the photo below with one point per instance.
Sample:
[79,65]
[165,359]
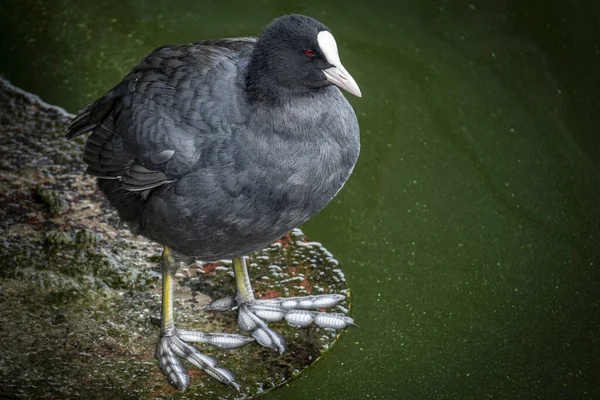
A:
[216,149]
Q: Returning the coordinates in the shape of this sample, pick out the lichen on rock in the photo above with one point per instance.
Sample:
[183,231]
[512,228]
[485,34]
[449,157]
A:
[57,203]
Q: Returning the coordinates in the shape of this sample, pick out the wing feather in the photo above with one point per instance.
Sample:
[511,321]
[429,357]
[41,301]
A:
[149,129]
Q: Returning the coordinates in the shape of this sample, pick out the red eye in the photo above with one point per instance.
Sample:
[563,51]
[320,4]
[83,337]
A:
[310,53]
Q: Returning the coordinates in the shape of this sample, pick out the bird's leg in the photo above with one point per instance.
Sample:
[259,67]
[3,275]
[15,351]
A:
[297,311]
[244,292]
[172,346]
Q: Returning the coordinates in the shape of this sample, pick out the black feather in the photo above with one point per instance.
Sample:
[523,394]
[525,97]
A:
[219,147]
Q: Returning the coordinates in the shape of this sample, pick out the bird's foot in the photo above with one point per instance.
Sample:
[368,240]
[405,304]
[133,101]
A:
[297,311]
[173,347]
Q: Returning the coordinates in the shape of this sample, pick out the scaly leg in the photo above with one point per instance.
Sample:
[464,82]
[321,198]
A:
[172,346]
[297,311]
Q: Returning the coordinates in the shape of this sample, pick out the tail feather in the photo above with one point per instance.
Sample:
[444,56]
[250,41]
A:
[92,115]
[82,123]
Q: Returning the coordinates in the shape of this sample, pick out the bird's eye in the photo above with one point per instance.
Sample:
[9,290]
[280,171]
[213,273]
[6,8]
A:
[310,53]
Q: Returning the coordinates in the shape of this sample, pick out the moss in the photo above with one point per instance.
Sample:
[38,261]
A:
[54,199]
[58,239]
[85,238]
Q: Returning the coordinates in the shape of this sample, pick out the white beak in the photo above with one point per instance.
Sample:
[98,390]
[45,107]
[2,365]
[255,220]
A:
[336,74]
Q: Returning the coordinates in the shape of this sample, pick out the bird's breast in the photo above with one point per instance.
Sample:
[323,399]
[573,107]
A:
[275,173]
[299,164]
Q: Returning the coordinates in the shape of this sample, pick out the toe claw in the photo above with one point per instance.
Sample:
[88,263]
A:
[269,338]
[235,386]
[221,374]
[180,385]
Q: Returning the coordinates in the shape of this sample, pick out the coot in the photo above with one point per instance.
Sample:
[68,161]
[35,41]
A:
[215,149]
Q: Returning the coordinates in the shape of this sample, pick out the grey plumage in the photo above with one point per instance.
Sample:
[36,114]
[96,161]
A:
[217,148]
[198,154]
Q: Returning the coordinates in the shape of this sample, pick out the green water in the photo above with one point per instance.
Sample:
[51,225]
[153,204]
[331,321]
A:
[469,231]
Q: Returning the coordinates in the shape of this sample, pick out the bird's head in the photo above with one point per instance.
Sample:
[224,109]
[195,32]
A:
[297,53]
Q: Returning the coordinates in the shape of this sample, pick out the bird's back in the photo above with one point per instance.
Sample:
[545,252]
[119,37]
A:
[152,128]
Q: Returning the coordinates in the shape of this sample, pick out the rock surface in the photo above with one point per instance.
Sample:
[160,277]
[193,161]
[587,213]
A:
[77,290]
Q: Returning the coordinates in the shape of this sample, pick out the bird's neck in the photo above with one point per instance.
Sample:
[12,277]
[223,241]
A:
[264,85]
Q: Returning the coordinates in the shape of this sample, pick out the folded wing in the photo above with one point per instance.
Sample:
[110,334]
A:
[152,127]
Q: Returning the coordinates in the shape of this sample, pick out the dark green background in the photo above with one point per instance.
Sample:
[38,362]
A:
[469,231]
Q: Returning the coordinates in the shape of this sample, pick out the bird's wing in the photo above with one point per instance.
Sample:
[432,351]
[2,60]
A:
[151,128]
